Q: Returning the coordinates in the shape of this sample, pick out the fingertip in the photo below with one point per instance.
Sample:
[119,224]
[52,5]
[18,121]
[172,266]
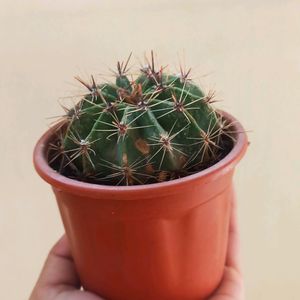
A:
[61,248]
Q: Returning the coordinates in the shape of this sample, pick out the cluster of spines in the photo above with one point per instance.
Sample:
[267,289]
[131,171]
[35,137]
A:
[154,128]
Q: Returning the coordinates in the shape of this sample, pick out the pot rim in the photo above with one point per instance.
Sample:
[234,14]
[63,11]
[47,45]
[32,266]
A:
[136,192]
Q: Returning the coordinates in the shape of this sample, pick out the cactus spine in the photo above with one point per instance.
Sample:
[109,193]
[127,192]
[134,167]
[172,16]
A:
[157,127]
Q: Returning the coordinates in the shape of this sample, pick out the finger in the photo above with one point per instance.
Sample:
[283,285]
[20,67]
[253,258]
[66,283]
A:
[231,287]
[59,269]
[233,250]
[78,295]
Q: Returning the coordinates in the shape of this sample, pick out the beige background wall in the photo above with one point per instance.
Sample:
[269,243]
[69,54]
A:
[248,50]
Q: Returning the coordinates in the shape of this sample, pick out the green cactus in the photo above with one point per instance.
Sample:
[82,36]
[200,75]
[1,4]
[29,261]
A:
[154,128]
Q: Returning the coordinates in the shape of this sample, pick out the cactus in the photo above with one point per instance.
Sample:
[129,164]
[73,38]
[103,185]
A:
[155,128]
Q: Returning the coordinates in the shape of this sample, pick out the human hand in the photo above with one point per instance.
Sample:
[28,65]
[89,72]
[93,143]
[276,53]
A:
[232,286]
[58,279]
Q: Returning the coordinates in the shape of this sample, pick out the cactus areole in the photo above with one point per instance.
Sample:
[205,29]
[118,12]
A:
[145,129]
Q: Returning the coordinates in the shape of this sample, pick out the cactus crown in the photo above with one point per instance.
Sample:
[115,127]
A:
[154,128]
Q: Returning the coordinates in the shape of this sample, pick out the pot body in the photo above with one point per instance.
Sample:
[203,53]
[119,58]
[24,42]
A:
[162,247]
[163,241]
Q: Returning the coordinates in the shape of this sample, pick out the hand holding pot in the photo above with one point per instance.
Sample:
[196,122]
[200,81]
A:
[232,286]
[59,280]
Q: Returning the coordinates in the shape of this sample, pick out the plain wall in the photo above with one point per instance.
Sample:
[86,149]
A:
[249,51]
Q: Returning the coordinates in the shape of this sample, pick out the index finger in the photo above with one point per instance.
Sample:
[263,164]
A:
[59,268]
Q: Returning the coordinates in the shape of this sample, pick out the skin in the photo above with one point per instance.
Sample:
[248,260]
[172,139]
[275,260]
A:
[59,281]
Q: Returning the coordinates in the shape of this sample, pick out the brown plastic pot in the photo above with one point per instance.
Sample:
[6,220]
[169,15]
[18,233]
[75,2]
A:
[159,241]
